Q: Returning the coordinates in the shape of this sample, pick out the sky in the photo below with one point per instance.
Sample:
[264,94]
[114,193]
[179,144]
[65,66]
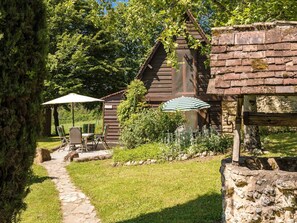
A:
[115,3]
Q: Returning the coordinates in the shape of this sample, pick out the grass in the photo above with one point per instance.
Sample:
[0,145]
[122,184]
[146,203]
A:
[178,192]
[143,152]
[43,204]
[281,144]
[169,192]
[49,142]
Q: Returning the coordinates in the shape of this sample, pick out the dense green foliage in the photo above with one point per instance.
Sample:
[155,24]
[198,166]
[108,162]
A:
[84,56]
[214,142]
[22,66]
[148,126]
[134,102]
[176,192]
[142,21]
[43,205]
[175,146]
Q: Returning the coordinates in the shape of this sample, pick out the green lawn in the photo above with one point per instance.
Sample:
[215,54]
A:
[43,204]
[281,144]
[49,142]
[170,192]
[183,192]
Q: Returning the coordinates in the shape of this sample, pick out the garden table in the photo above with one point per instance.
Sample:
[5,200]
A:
[87,136]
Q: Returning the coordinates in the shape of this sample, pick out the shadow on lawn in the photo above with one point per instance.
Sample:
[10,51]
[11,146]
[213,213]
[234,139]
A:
[284,143]
[204,209]
[35,179]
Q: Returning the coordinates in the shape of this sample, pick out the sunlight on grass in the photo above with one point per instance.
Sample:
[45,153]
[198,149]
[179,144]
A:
[43,204]
[281,144]
[48,142]
[170,192]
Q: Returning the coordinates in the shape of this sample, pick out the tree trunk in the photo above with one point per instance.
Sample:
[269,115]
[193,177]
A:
[56,118]
[251,132]
[47,122]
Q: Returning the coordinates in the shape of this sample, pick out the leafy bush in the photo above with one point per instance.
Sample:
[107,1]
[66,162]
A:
[181,144]
[216,143]
[207,140]
[143,152]
[149,126]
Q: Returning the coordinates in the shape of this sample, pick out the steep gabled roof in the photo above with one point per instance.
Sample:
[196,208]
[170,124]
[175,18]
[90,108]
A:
[197,26]
[158,43]
[113,94]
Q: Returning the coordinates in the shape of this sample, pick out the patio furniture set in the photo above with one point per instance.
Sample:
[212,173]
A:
[82,139]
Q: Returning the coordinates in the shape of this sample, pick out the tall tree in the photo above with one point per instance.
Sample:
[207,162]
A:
[22,66]
[134,47]
[84,55]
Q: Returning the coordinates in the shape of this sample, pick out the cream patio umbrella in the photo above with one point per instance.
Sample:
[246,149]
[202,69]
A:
[72,98]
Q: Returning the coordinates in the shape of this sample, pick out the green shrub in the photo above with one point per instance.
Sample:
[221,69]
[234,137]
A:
[143,152]
[149,126]
[208,140]
[23,44]
[215,142]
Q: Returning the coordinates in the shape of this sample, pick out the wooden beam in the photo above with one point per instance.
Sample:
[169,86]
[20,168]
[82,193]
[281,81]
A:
[237,138]
[270,119]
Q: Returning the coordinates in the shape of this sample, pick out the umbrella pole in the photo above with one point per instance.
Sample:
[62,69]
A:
[72,112]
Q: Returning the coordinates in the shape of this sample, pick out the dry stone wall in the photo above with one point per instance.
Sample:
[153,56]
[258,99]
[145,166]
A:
[277,104]
[264,192]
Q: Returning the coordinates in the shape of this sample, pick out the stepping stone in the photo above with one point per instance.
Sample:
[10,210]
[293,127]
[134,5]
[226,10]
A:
[76,206]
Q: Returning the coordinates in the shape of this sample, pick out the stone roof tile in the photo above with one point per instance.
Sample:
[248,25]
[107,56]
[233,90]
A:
[260,58]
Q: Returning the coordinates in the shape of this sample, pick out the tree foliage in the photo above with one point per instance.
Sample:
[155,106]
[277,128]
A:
[22,64]
[146,20]
[84,55]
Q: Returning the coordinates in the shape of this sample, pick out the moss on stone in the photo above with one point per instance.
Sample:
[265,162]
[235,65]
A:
[259,64]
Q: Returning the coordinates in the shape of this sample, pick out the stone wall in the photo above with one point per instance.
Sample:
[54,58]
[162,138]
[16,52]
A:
[268,104]
[228,116]
[264,192]
[278,104]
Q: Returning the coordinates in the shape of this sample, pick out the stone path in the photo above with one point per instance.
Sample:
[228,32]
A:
[76,206]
